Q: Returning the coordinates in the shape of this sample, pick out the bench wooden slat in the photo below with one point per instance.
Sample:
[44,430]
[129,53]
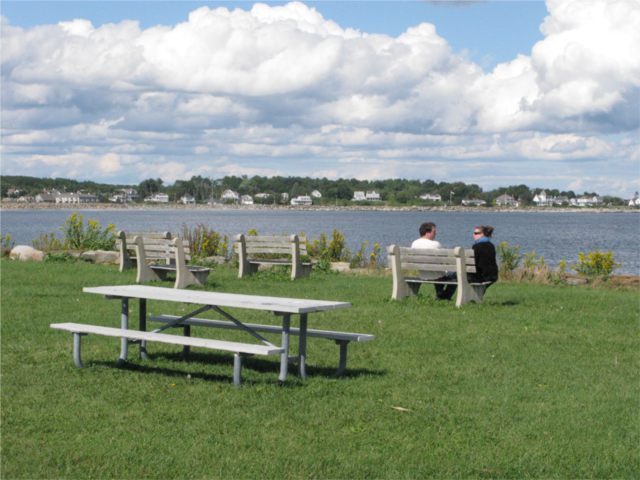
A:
[428,267]
[158,235]
[154,241]
[439,252]
[150,247]
[173,268]
[250,239]
[281,251]
[270,244]
[259,261]
[426,259]
[171,339]
[435,260]
[454,282]
[328,334]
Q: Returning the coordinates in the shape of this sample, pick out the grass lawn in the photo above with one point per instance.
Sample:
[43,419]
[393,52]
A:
[537,381]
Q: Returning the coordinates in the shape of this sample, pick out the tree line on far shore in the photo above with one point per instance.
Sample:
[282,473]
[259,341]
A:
[394,191]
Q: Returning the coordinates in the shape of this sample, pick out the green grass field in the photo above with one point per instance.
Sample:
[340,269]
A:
[538,381]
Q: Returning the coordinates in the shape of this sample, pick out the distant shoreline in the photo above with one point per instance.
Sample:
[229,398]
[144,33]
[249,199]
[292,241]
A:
[368,208]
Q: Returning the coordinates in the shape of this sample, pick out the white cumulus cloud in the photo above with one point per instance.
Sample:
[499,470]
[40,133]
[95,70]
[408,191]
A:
[284,90]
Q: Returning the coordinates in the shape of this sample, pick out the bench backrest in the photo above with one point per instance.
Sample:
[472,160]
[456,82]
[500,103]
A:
[156,245]
[434,260]
[273,245]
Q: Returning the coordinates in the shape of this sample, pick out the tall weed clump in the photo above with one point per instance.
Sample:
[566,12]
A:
[47,242]
[91,237]
[205,242]
[595,265]
[5,245]
[509,258]
[5,241]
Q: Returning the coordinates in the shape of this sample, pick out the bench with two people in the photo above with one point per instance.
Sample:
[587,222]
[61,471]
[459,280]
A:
[469,273]
[174,252]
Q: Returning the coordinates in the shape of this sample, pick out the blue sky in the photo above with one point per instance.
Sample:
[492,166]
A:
[495,93]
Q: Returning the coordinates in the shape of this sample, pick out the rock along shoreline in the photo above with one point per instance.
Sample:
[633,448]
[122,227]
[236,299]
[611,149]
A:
[368,208]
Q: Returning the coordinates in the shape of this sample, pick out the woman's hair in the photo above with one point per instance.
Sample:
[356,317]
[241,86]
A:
[486,231]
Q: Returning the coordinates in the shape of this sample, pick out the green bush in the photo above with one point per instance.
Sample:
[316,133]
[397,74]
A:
[6,243]
[204,241]
[596,264]
[93,237]
[509,259]
[47,242]
[337,250]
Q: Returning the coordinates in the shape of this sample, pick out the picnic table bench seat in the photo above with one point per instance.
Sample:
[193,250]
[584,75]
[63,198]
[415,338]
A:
[342,339]
[283,247]
[434,260]
[239,349]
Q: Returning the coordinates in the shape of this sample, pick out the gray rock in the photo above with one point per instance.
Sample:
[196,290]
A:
[218,260]
[25,253]
[100,256]
[340,266]
[575,280]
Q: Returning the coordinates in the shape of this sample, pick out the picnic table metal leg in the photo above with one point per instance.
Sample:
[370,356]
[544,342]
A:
[284,357]
[77,340]
[237,369]
[124,324]
[186,349]
[302,346]
[143,328]
[343,357]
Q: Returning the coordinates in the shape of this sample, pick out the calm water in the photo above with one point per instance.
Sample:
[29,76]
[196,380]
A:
[555,236]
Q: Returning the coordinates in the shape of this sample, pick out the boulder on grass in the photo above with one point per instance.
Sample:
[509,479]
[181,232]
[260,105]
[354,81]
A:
[100,256]
[340,266]
[25,253]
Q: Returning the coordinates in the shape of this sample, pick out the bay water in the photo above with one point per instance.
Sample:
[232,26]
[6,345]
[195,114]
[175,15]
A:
[554,236]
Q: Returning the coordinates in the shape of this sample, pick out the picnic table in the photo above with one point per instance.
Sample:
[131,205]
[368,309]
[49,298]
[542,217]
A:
[283,308]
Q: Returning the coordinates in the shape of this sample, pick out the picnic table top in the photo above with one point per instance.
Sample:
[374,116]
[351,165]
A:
[254,302]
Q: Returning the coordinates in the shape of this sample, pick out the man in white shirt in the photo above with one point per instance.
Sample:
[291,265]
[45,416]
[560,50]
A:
[427,240]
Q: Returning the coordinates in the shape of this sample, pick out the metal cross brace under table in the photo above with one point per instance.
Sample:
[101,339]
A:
[282,307]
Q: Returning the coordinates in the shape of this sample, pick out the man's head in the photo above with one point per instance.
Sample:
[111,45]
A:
[428,230]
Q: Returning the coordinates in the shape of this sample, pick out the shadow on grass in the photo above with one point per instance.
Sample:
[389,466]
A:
[262,365]
[256,364]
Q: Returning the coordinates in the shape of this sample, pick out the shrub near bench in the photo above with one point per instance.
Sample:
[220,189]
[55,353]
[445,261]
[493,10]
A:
[282,247]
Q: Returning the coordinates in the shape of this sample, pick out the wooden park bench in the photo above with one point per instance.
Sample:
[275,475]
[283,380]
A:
[124,243]
[342,339]
[174,249]
[283,247]
[434,260]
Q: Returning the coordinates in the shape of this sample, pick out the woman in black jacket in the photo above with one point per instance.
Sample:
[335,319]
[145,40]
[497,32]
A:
[485,255]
